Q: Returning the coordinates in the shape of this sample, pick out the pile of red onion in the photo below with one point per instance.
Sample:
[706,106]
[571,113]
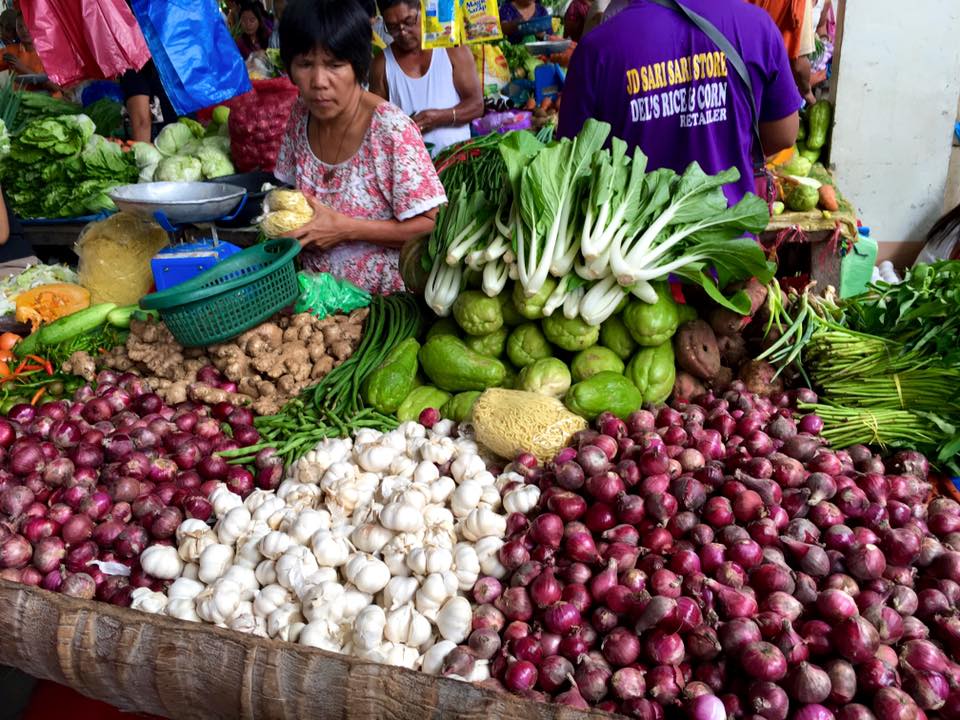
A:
[86,486]
[717,560]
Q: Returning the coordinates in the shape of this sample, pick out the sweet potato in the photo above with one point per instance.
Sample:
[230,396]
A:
[687,387]
[759,378]
[733,349]
[696,349]
[727,322]
[721,381]
[828,198]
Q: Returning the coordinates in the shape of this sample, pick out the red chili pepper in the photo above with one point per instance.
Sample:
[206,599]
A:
[37,395]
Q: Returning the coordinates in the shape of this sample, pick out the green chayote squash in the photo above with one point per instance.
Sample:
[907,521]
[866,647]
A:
[652,324]
[605,391]
[511,317]
[615,336]
[459,406]
[653,371]
[454,367]
[532,307]
[443,326]
[491,344]
[387,386]
[418,400]
[549,376]
[511,377]
[685,313]
[591,361]
[476,313]
[527,344]
[570,334]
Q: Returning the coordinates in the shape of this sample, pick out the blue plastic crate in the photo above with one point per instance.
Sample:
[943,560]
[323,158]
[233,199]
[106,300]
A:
[178,263]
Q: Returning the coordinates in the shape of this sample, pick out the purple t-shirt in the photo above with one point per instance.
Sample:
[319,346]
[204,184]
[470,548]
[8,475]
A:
[662,84]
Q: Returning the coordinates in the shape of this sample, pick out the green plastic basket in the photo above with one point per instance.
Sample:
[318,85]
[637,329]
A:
[231,297]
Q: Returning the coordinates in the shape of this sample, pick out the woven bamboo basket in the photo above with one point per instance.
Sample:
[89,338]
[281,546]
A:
[154,664]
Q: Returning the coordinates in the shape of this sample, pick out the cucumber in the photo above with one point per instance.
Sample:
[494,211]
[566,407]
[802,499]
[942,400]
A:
[72,325]
[121,316]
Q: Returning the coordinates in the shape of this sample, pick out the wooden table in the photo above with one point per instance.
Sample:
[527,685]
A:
[807,247]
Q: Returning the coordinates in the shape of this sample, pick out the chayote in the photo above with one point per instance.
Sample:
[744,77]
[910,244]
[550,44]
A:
[511,317]
[652,324]
[454,367]
[685,313]
[605,391]
[548,376]
[527,344]
[615,336]
[491,344]
[388,384]
[459,406]
[570,334]
[653,371]
[443,326]
[593,360]
[418,400]
[532,307]
[476,313]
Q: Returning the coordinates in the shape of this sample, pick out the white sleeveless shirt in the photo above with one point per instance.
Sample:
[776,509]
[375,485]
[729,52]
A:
[434,91]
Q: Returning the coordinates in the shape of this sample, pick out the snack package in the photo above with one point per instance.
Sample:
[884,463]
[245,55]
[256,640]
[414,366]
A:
[440,23]
[492,68]
[481,21]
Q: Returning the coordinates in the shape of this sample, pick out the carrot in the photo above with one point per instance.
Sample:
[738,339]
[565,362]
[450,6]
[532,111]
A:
[7,355]
[531,104]
[4,369]
[546,103]
[36,397]
[8,340]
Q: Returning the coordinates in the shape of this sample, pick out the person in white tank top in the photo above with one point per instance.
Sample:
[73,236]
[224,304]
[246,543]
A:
[439,89]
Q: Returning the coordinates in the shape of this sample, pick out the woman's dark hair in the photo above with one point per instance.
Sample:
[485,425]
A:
[341,27]
[263,32]
[369,7]
[385,5]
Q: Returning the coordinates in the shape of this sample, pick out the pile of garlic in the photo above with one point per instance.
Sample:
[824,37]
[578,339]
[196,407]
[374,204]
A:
[366,548]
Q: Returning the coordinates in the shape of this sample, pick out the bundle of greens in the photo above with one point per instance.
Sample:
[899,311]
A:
[594,219]
[58,167]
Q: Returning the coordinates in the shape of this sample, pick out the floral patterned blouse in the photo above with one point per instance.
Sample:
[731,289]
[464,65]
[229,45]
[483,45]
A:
[390,177]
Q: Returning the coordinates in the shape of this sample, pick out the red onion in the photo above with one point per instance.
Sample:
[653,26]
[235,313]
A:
[763,661]
[808,683]
[620,647]
[702,643]
[664,684]
[768,700]
[79,585]
[835,605]
[553,673]
[866,562]
[718,512]
[813,712]
[737,634]
[592,679]
[894,704]
[521,676]
[580,547]
[855,639]
[706,707]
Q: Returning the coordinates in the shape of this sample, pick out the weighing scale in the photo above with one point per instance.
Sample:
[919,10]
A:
[177,206]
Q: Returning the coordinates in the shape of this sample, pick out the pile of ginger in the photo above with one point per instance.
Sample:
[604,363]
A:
[262,368]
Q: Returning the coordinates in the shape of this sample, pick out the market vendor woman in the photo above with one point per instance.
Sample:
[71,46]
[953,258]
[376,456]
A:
[359,160]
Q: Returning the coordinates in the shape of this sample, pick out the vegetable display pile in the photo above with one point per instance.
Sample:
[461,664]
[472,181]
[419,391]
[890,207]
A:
[719,559]
[185,151]
[58,167]
[367,548]
[886,362]
[584,227]
[86,485]
[264,367]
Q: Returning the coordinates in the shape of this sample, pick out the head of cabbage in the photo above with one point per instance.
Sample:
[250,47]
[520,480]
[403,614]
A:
[214,163]
[173,138]
[179,168]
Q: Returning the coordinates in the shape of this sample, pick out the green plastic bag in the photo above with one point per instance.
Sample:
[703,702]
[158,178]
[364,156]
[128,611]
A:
[322,294]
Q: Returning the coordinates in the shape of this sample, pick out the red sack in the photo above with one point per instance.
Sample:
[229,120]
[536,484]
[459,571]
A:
[85,39]
[257,122]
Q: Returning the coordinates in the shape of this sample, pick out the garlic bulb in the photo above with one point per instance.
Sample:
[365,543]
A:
[431,662]
[306,525]
[274,544]
[294,566]
[466,498]
[399,591]
[483,522]
[269,599]
[184,589]
[232,525]
[400,655]
[522,500]
[193,536]
[354,602]
[368,627]
[223,500]
[401,518]
[324,602]
[266,572]
[146,600]
[488,550]
[370,537]
[330,549]
[424,561]
[322,634]
[161,561]
[214,561]
[466,466]
[245,578]
[367,573]
[280,620]
[466,565]
[454,619]
[407,626]
[218,602]
[182,609]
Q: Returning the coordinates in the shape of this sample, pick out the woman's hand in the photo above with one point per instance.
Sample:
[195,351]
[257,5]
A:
[325,229]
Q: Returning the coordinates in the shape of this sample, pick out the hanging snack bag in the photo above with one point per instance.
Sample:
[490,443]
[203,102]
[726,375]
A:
[481,21]
[440,23]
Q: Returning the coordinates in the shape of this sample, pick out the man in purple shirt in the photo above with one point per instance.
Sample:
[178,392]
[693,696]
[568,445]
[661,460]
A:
[662,84]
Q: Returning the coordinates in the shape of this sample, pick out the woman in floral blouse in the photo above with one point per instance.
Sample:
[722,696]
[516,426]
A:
[359,160]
